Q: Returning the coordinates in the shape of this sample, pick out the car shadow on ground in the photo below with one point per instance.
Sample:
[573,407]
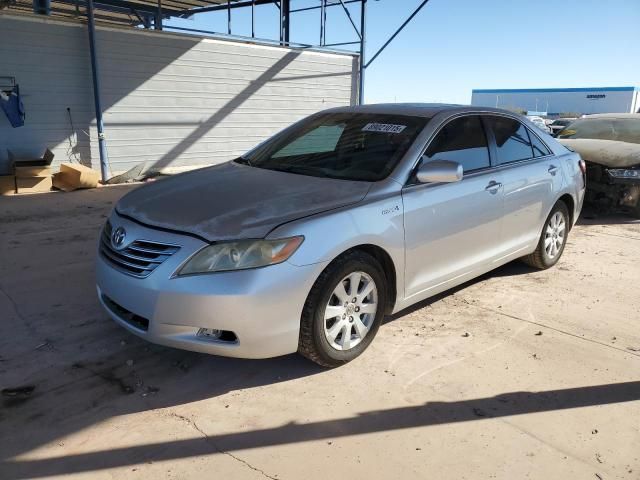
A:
[108,372]
[428,414]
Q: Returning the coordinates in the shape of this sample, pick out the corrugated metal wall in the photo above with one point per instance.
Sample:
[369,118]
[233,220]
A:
[170,100]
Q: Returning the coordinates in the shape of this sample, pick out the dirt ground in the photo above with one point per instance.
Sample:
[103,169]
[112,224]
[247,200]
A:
[521,374]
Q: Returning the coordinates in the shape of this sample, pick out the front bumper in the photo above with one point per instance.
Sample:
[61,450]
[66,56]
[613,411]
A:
[262,307]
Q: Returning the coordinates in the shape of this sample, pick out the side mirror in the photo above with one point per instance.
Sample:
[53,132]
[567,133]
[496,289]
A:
[439,171]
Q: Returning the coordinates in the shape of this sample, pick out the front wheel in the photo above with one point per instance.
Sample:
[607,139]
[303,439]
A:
[552,240]
[343,311]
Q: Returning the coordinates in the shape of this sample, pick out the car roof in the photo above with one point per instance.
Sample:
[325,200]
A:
[426,110]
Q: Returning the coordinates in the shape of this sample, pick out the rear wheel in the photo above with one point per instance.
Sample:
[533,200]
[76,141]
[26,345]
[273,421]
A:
[552,239]
[343,311]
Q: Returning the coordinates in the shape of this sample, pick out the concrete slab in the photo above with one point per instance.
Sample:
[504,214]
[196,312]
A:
[520,374]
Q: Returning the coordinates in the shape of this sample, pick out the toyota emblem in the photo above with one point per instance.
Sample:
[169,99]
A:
[118,236]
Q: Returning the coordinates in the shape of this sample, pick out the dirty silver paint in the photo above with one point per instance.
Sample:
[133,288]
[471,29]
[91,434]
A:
[233,201]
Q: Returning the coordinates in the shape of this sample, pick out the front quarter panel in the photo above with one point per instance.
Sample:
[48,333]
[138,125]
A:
[375,221]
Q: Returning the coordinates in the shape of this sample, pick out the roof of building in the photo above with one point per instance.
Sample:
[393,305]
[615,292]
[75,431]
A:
[555,90]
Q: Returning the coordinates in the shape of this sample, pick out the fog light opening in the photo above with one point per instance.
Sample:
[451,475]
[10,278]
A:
[217,335]
[210,333]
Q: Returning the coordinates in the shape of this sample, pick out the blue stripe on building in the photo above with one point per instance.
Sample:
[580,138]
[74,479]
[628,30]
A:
[556,90]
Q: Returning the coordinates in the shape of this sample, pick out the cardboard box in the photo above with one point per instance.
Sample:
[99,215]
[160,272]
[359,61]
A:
[33,184]
[73,176]
[7,184]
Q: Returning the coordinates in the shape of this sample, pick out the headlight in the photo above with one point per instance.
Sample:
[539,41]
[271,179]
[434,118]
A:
[624,173]
[240,255]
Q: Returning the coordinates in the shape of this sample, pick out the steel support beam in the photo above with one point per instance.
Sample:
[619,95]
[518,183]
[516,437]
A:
[253,18]
[336,4]
[216,8]
[323,18]
[406,22]
[346,10]
[157,24]
[285,11]
[42,7]
[363,44]
[102,144]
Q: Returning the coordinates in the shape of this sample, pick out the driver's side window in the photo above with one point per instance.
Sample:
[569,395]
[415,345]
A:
[462,140]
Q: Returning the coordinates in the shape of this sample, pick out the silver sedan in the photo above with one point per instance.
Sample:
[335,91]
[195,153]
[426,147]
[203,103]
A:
[307,241]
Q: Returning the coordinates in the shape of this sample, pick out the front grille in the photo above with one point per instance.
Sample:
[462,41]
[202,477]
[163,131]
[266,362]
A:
[131,318]
[139,258]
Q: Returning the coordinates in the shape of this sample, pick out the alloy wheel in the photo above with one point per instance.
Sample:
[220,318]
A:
[554,235]
[351,311]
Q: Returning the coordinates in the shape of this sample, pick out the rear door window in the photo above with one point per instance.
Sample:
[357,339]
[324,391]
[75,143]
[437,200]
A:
[462,140]
[512,140]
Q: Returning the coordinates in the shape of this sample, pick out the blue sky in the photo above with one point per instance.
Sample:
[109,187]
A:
[454,46]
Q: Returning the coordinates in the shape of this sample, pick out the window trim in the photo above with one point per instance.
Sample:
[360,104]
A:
[531,132]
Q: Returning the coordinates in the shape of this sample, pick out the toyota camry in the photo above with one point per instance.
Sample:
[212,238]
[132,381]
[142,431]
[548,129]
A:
[307,241]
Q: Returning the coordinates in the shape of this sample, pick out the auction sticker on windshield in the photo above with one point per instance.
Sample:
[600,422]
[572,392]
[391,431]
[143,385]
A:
[383,128]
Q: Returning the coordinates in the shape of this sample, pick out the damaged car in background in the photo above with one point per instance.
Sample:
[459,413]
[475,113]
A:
[610,146]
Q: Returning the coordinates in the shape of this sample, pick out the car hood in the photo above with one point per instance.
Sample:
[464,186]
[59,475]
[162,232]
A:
[232,201]
[610,153]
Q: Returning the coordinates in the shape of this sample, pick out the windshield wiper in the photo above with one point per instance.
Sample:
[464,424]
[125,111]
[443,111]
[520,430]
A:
[243,161]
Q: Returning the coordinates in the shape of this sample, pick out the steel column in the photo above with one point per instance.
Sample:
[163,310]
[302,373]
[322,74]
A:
[229,17]
[363,44]
[42,7]
[157,24]
[102,144]
[285,11]
[324,23]
[253,18]
[322,20]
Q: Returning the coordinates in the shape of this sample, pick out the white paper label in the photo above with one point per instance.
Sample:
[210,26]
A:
[383,128]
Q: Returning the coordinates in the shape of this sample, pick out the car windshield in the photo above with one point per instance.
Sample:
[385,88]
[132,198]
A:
[349,146]
[620,129]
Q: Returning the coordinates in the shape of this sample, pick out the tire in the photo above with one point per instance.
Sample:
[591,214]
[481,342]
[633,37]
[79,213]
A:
[319,341]
[548,252]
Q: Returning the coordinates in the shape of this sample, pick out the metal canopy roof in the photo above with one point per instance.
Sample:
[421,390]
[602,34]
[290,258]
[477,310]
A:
[122,12]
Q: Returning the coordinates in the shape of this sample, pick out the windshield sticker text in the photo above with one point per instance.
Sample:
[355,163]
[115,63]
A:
[383,128]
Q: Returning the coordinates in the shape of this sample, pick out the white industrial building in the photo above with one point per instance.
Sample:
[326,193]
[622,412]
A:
[169,99]
[559,101]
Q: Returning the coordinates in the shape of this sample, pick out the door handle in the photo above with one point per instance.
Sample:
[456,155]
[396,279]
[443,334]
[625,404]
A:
[552,169]
[493,187]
